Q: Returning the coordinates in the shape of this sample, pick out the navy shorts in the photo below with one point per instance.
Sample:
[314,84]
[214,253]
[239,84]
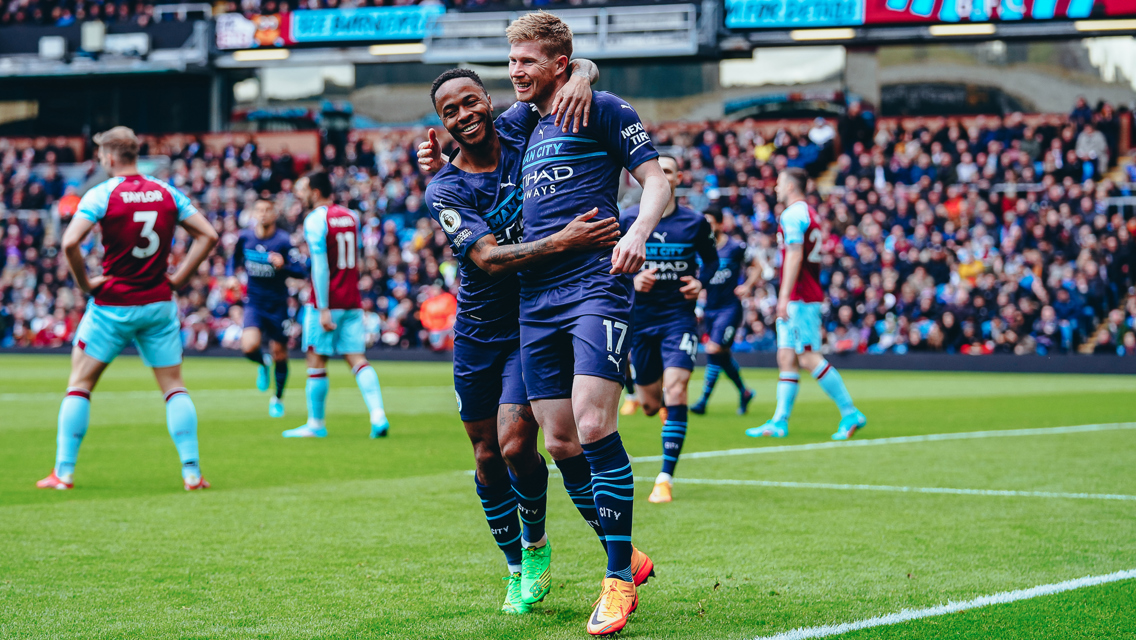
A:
[722,324]
[269,321]
[487,369]
[581,328]
[664,346]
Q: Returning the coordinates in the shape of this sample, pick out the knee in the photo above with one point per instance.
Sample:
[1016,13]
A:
[712,348]
[650,406]
[486,455]
[592,424]
[518,451]
[676,393]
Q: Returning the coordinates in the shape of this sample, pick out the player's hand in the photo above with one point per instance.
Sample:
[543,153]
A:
[93,284]
[583,234]
[691,289]
[430,154]
[629,255]
[741,291]
[573,103]
[276,260]
[645,280]
[326,321]
[782,309]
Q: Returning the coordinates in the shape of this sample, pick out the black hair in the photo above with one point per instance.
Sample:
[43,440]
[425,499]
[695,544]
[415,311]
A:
[318,180]
[716,213]
[799,177]
[453,74]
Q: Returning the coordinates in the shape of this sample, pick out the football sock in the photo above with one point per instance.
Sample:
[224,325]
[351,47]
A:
[674,433]
[614,491]
[500,505]
[532,501]
[74,417]
[713,368]
[368,382]
[787,384]
[830,381]
[730,367]
[578,483]
[281,371]
[316,391]
[181,420]
[256,356]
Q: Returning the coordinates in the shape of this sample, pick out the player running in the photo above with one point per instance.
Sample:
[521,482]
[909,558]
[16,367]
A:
[132,298]
[334,324]
[722,314]
[266,255]
[575,312]
[476,199]
[798,313]
[664,335]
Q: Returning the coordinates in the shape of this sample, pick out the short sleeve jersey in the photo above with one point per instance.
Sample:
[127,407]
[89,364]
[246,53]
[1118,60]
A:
[799,225]
[731,270]
[267,285]
[469,206]
[138,215]
[567,174]
[334,230]
[674,249]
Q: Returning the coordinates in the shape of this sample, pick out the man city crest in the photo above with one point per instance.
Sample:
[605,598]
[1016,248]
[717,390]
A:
[450,220]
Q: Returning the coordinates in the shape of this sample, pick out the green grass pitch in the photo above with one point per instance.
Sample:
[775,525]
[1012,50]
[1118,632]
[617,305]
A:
[353,538]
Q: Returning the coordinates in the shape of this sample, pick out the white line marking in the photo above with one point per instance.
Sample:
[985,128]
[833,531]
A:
[895,489]
[217,393]
[907,615]
[934,437]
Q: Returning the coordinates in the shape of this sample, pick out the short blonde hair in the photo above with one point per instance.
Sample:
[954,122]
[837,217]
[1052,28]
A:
[551,33]
[119,141]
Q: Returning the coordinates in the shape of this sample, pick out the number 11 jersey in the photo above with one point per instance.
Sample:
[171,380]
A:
[799,225]
[334,230]
[138,216]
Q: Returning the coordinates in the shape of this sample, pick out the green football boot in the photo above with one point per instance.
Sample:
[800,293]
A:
[513,601]
[536,576]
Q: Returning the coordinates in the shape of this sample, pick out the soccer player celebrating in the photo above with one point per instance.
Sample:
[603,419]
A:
[664,338]
[798,313]
[334,324]
[575,312]
[132,298]
[723,313]
[267,256]
[476,199]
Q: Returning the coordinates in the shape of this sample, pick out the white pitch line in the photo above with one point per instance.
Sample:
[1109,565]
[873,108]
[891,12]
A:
[876,442]
[897,489]
[907,615]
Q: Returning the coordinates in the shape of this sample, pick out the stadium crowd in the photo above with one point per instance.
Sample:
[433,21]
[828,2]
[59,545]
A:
[992,238]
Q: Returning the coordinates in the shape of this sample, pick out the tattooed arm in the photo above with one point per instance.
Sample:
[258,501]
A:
[579,234]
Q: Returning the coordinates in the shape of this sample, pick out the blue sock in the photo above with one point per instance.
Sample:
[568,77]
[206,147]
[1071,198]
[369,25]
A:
[787,384]
[578,483]
[74,417]
[256,356]
[181,420]
[316,391]
[674,433]
[730,367]
[614,491]
[830,381]
[713,368]
[281,371]
[532,501]
[368,382]
[500,505]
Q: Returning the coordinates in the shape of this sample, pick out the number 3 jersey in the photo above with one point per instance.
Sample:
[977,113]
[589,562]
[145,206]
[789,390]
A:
[799,225]
[469,206]
[332,233]
[138,216]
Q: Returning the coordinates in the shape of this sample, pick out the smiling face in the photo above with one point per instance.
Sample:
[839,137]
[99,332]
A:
[533,72]
[466,111]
